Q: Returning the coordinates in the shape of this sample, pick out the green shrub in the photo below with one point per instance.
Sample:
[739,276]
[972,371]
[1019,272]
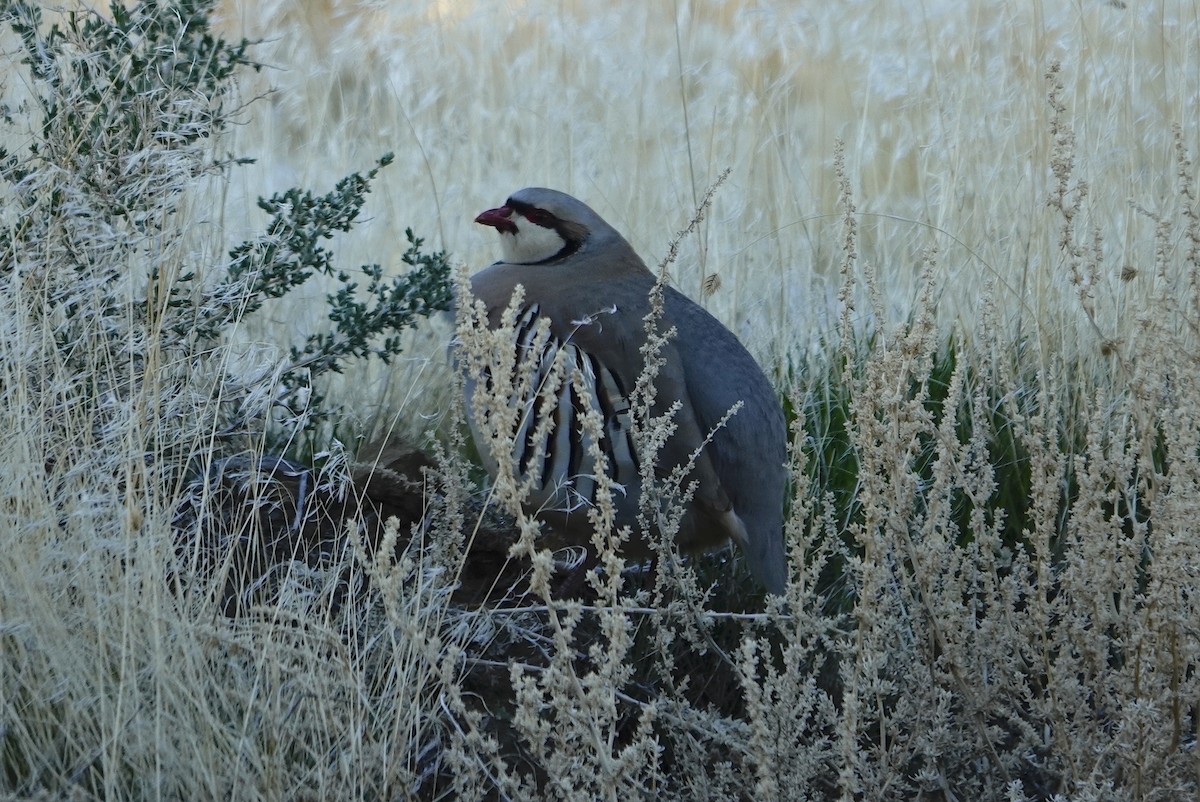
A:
[124,114]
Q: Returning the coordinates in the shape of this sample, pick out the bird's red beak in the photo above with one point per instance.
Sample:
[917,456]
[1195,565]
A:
[499,219]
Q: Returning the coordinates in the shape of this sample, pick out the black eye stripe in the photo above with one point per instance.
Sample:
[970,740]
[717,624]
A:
[533,214]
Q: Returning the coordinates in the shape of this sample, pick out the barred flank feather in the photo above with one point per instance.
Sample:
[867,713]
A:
[549,445]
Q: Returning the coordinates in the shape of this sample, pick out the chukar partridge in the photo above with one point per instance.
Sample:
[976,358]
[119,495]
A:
[579,273]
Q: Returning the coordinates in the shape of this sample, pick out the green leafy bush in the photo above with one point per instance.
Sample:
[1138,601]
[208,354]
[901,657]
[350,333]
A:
[124,111]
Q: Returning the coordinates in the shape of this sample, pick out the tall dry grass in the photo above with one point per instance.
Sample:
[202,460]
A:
[995,278]
[637,109]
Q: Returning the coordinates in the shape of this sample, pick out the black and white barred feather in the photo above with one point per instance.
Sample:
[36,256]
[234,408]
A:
[551,447]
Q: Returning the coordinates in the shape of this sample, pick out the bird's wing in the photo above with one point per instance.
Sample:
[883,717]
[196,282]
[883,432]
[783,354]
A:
[688,442]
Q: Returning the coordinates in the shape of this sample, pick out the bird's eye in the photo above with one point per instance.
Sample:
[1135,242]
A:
[541,217]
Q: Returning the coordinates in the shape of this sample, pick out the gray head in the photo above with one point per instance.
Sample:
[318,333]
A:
[539,226]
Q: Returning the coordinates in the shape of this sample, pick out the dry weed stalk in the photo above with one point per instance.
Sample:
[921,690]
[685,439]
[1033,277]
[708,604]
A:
[1058,660]
[567,715]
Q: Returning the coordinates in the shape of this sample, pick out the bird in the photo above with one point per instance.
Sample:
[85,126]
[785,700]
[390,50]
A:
[582,276]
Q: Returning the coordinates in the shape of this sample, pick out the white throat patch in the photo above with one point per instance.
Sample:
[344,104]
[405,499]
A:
[531,243]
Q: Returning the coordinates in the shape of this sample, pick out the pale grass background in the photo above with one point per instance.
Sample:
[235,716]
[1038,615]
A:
[636,107]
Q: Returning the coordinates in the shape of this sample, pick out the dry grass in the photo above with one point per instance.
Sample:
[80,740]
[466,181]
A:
[992,284]
[636,110]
